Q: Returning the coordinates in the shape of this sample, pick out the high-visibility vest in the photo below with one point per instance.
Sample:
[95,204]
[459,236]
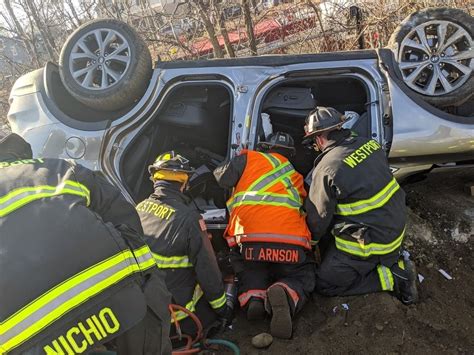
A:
[266,205]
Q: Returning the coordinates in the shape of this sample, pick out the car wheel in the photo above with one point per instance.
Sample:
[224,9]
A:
[435,54]
[105,65]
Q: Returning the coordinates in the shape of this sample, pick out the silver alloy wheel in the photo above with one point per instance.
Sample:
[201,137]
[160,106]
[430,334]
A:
[99,59]
[436,57]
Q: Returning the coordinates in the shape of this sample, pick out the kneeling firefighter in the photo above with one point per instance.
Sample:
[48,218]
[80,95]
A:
[268,232]
[75,272]
[177,236]
[357,209]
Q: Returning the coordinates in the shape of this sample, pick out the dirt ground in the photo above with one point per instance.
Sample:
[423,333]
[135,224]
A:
[440,235]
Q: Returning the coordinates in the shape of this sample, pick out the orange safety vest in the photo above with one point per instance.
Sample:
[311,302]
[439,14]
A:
[266,205]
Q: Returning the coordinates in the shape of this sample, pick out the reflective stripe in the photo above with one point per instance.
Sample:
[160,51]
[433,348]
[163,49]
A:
[255,237]
[231,241]
[66,296]
[271,159]
[145,258]
[267,180]
[191,305]
[401,264]
[219,302]
[376,201]
[252,198]
[246,296]
[292,293]
[256,195]
[293,192]
[22,196]
[385,277]
[172,262]
[365,251]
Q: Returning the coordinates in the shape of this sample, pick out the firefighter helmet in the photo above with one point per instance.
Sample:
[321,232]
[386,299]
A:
[323,119]
[278,140]
[171,161]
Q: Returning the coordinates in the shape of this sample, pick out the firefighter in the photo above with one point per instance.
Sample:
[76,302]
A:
[75,272]
[358,209]
[268,232]
[177,236]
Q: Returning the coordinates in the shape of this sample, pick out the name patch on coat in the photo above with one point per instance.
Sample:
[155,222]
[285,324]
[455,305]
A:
[272,254]
[85,334]
[6,164]
[158,210]
[362,153]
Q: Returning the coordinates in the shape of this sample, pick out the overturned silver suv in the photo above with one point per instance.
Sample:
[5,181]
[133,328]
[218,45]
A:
[106,107]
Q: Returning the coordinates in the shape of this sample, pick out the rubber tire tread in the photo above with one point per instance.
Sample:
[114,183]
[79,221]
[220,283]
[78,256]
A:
[129,89]
[466,91]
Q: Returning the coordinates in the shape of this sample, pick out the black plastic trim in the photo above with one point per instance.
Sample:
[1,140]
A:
[388,61]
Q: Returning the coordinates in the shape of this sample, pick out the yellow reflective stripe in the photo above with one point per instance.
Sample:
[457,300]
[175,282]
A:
[385,277]
[401,264]
[265,198]
[376,201]
[55,303]
[145,258]
[14,199]
[364,251]
[171,262]
[191,305]
[273,161]
[219,302]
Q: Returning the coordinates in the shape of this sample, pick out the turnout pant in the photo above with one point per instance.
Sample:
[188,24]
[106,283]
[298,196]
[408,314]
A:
[341,274]
[151,335]
[257,277]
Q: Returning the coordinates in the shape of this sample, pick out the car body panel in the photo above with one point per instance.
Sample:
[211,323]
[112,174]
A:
[405,128]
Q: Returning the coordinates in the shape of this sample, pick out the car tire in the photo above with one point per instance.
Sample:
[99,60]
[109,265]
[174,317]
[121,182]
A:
[109,75]
[430,68]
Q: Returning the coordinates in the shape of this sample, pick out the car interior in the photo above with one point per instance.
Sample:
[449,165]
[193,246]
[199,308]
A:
[195,121]
[287,105]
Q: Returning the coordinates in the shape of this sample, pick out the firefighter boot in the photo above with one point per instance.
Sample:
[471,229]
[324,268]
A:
[405,281]
[256,309]
[280,325]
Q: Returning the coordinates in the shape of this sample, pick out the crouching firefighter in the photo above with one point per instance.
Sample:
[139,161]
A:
[268,232]
[75,272]
[358,209]
[178,239]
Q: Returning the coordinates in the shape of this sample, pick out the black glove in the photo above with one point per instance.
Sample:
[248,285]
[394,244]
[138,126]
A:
[226,315]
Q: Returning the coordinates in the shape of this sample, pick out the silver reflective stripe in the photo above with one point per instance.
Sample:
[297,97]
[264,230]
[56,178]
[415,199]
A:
[386,278]
[249,199]
[367,250]
[378,200]
[294,193]
[66,296]
[274,161]
[275,174]
[276,237]
[24,195]
[146,260]
[172,261]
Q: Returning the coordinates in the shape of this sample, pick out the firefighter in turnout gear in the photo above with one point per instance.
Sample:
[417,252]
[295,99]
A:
[176,234]
[75,271]
[358,209]
[268,232]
